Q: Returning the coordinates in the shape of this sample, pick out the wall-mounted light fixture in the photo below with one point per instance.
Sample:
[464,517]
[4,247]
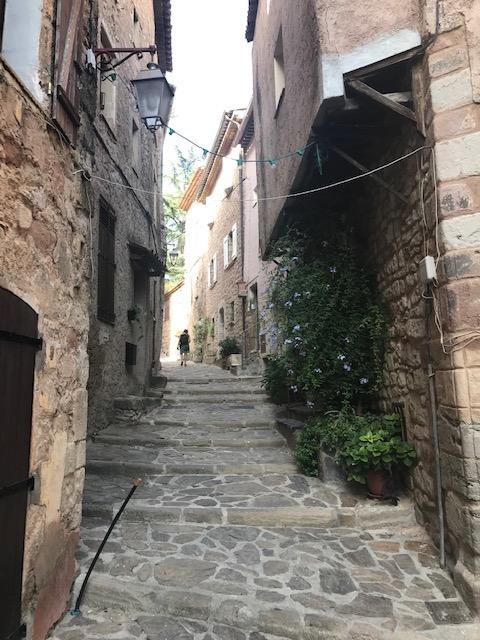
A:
[154,96]
[173,256]
[154,93]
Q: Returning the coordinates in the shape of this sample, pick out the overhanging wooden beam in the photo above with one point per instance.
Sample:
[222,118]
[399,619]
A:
[365,169]
[382,99]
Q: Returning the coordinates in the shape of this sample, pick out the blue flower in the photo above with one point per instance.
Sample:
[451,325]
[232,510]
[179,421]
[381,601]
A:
[288,304]
[297,295]
[310,404]
[341,357]
[302,354]
[290,372]
[347,340]
[333,269]
[363,380]
[318,371]
[296,327]
[271,305]
[288,341]
[294,388]
[347,367]
[298,339]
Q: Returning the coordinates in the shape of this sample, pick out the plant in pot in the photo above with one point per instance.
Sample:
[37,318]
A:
[374,452]
[228,347]
[134,313]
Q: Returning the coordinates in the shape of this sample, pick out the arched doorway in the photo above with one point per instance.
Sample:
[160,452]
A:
[19,343]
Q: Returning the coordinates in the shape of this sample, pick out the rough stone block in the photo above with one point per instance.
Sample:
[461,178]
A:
[474,385]
[460,305]
[459,157]
[451,91]
[448,60]
[451,124]
[460,232]
[459,197]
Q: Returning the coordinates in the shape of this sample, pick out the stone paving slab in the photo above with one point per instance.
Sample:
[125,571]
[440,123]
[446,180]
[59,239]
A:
[231,543]
[254,577]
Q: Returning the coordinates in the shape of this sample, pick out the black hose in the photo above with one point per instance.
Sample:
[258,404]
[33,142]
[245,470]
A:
[76,610]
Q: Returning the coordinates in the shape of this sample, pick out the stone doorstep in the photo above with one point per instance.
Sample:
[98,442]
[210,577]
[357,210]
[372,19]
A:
[106,467]
[212,443]
[318,517]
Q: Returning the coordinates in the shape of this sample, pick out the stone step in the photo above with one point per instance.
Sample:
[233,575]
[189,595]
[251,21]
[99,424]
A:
[111,467]
[290,582]
[217,399]
[248,439]
[215,422]
[208,390]
[137,403]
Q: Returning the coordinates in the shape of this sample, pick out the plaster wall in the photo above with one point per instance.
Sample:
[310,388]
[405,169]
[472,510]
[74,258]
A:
[341,37]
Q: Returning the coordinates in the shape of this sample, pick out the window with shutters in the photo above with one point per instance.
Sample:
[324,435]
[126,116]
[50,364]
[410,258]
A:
[212,271]
[230,247]
[20,25]
[108,89]
[68,63]
[279,72]
[106,265]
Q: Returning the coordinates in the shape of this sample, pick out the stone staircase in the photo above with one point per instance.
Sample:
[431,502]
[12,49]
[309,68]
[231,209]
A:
[227,541]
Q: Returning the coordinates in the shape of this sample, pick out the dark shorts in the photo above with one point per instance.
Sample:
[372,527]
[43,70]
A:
[184,348]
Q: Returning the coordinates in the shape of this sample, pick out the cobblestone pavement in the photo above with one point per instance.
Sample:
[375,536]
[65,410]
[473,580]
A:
[226,541]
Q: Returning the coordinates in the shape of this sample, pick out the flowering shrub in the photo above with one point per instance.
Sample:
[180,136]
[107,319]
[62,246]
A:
[330,328]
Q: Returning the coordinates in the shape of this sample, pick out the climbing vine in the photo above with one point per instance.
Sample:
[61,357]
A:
[327,321]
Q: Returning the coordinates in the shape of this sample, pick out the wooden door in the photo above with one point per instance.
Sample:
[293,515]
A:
[18,345]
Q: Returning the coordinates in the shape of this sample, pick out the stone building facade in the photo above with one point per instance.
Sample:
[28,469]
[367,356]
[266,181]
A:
[391,83]
[213,242]
[124,345]
[48,217]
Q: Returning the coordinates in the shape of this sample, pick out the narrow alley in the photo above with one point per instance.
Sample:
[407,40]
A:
[225,541]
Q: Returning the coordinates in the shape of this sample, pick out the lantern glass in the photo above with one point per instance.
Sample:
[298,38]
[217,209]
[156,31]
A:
[154,96]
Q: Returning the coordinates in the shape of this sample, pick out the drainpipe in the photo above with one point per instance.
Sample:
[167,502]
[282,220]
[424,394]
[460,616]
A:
[436,447]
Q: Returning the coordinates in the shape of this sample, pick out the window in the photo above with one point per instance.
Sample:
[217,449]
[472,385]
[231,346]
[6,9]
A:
[212,271]
[221,332]
[106,265]
[230,247]
[21,22]
[232,312]
[212,328]
[108,90]
[135,15]
[135,147]
[279,72]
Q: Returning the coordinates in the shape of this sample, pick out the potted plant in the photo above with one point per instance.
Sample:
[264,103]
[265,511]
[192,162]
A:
[373,453]
[134,313]
[228,349]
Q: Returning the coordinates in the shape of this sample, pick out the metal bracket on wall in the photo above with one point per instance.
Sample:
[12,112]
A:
[107,56]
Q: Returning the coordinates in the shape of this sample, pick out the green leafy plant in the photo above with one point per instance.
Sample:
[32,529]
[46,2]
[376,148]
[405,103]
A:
[374,450]
[200,334]
[274,379]
[329,326]
[134,314]
[228,346]
[359,443]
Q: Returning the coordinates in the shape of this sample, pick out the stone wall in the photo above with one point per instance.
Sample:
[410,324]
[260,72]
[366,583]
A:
[225,291]
[44,260]
[454,93]
[137,218]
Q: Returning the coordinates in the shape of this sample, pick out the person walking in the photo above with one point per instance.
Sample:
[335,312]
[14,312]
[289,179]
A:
[184,347]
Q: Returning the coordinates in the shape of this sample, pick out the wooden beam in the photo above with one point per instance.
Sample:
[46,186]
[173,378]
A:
[364,169]
[400,96]
[363,72]
[382,99]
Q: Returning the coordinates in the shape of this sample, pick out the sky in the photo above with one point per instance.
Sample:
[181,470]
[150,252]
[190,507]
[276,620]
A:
[211,68]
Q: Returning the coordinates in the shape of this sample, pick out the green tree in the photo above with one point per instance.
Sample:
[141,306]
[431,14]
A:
[176,185]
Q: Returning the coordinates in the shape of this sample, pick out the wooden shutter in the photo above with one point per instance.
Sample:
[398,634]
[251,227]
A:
[226,260]
[234,241]
[214,268]
[209,274]
[106,266]
[68,41]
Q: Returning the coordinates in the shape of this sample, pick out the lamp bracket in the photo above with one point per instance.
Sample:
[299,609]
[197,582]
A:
[104,57]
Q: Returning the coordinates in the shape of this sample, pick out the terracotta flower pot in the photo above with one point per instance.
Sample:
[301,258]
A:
[377,482]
